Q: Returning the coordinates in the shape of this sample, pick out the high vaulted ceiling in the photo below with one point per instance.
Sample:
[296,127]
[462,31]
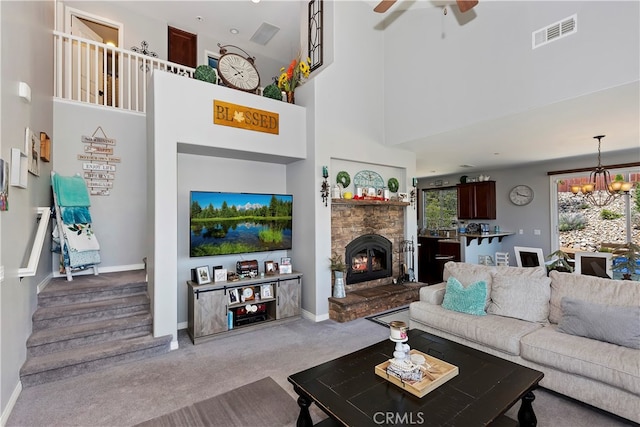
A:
[563,129]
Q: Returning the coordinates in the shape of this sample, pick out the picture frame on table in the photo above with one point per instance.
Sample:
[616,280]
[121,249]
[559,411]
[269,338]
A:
[269,268]
[285,269]
[202,275]
[285,260]
[266,291]
[233,296]
[219,274]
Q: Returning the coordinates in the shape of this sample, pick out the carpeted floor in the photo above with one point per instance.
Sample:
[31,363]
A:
[262,402]
[136,392]
[386,317]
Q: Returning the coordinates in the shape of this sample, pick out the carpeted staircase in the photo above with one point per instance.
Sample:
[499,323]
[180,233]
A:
[90,323]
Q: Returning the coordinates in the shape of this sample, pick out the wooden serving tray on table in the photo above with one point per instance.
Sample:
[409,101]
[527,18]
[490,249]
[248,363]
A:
[441,372]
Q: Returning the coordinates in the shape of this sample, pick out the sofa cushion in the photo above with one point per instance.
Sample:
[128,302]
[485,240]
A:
[612,364]
[520,296]
[433,294]
[499,333]
[470,299]
[592,289]
[609,323]
[469,273]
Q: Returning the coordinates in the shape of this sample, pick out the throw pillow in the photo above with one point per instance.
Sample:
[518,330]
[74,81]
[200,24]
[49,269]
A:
[467,274]
[521,297]
[470,299]
[611,323]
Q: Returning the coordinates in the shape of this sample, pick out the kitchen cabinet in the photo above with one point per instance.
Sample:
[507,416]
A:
[477,200]
[220,309]
[433,253]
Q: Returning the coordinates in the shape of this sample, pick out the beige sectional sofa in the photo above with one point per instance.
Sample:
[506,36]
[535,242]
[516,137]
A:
[543,323]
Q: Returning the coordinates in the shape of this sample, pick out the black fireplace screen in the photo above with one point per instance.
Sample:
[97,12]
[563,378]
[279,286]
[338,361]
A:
[369,258]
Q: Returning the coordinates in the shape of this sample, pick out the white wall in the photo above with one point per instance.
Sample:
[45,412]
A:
[442,75]
[349,121]
[119,220]
[173,126]
[27,56]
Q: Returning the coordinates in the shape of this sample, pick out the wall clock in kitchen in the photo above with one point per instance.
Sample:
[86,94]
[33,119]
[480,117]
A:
[238,72]
[521,195]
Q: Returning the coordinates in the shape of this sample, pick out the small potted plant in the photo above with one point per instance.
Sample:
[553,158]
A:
[560,263]
[338,267]
[626,259]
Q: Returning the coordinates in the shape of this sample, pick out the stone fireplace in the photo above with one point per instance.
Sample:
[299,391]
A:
[368,234]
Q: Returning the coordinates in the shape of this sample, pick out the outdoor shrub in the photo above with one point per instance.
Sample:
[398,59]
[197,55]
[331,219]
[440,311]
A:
[608,214]
[571,221]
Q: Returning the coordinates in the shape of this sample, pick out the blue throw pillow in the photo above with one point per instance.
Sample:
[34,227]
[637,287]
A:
[470,300]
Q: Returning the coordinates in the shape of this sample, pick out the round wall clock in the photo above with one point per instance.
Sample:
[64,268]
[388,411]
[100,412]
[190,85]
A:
[521,195]
[238,72]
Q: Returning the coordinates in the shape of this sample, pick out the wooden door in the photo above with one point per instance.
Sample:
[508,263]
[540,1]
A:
[183,47]
[288,296]
[209,313]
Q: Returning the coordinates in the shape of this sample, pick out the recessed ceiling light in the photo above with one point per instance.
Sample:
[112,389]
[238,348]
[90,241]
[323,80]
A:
[256,1]
[234,31]
[199,18]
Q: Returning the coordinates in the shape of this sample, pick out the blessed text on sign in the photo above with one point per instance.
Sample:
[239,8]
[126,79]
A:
[239,116]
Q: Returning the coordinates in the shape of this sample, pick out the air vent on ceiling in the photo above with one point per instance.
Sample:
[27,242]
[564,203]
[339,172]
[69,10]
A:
[554,32]
[264,33]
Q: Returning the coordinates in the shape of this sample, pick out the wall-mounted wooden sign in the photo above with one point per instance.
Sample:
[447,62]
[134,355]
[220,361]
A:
[239,116]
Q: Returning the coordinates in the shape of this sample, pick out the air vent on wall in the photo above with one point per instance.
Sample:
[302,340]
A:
[554,32]
[264,33]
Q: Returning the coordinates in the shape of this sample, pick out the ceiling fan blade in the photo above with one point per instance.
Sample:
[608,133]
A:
[465,5]
[383,6]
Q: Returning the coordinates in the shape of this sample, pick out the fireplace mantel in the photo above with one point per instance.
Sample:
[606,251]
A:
[360,202]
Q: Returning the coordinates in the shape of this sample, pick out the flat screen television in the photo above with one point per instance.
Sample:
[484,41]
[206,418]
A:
[233,223]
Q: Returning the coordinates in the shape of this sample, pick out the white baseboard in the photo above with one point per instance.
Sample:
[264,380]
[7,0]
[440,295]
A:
[310,316]
[10,404]
[44,283]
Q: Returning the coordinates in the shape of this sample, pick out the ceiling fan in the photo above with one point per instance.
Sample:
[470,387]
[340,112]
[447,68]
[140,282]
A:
[463,5]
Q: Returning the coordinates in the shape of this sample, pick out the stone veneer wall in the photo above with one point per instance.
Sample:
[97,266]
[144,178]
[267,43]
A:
[350,219]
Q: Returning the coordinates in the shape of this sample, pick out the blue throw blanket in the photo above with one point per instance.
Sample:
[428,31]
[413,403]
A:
[75,214]
[70,190]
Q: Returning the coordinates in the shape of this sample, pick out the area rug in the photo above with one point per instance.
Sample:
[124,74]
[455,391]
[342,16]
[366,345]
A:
[384,318]
[261,403]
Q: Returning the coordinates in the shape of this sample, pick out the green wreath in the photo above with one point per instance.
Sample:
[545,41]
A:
[343,178]
[393,185]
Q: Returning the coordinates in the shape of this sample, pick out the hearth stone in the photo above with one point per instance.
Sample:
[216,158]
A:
[365,302]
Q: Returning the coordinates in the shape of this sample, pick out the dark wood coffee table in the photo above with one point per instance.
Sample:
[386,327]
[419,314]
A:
[348,390]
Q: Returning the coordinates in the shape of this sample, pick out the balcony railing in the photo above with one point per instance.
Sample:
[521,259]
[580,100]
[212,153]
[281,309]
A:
[96,73]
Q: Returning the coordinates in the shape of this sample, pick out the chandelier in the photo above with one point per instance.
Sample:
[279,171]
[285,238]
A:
[601,190]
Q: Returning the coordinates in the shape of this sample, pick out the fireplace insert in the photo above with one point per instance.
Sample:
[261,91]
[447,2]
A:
[368,258]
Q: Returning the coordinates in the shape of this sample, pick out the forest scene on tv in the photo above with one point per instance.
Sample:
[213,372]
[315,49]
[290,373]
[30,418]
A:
[233,223]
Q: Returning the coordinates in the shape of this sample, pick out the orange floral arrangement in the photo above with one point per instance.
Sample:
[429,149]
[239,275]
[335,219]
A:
[295,75]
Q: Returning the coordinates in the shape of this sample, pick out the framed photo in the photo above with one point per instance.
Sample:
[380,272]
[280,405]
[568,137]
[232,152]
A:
[220,275]
[202,275]
[285,269]
[233,296]
[528,257]
[266,291]
[269,267]
[32,150]
[285,260]
[599,264]
[403,197]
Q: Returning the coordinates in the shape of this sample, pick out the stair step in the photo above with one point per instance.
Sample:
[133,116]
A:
[91,288]
[63,338]
[68,363]
[71,314]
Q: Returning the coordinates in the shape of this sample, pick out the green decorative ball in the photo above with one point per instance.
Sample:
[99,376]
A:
[206,73]
[272,91]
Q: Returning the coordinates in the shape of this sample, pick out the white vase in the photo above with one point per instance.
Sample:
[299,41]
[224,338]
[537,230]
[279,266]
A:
[338,285]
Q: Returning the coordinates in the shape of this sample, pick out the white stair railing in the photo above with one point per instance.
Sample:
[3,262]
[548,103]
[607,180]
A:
[96,73]
[30,270]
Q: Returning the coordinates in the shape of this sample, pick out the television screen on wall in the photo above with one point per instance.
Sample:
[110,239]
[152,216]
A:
[233,223]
